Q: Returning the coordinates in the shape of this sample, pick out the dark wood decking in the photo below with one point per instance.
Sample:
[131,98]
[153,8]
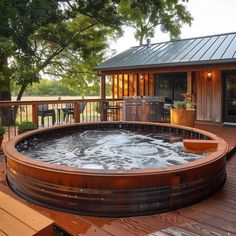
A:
[228,133]
[214,216]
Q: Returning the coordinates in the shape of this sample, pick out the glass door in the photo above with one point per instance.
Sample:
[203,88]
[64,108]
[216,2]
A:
[230,97]
[170,86]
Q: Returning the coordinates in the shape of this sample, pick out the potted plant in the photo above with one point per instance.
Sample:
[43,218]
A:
[26,126]
[183,112]
[2,132]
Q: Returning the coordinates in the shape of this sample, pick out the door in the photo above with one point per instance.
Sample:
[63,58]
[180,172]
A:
[229,108]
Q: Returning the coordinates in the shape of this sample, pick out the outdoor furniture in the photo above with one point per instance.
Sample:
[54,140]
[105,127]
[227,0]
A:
[112,110]
[143,109]
[166,112]
[43,111]
[69,109]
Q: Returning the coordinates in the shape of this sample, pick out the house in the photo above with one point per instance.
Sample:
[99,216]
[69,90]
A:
[205,67]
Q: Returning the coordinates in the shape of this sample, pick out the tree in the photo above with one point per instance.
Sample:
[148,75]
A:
[85,49]
[50,88]
[66,38]
[33,34]
[145,16]
[19,20]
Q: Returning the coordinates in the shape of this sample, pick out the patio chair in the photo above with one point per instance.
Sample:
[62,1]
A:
[43,111]
[69,110]
[166,109]
[112,111]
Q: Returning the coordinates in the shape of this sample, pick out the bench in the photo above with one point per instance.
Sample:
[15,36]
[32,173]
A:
[18,219]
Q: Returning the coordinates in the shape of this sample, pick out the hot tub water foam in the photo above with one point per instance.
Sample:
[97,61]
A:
[110,150]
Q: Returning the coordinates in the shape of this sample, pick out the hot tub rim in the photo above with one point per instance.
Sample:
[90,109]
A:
[11,152]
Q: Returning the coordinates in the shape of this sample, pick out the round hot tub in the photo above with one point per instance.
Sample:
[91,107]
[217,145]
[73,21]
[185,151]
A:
[116,192]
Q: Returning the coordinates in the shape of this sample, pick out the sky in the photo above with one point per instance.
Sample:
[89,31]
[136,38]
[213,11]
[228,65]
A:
[210,17]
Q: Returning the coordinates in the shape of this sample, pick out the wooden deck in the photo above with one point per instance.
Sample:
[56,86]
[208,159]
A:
[213,216]
[18,219]
[228,133]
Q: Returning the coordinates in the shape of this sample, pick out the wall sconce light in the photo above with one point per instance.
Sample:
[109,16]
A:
[209,75]
[141,77]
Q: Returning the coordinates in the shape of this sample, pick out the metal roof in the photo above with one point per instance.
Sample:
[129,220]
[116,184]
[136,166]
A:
[193,51]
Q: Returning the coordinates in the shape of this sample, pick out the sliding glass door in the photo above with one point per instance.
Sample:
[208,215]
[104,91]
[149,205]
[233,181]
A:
[229,109]
[170,85]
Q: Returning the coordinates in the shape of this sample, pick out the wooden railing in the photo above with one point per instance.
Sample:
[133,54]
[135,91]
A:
[57,112]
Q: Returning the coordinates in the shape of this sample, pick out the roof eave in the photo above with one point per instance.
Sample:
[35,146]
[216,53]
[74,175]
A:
[194,63]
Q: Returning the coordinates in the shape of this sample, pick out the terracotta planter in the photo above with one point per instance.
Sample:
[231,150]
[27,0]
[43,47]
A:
[182,117]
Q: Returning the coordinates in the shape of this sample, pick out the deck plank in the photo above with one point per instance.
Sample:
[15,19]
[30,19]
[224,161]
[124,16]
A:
[12,226]
[213,221]
[110,226]
[2,233]
[23,213]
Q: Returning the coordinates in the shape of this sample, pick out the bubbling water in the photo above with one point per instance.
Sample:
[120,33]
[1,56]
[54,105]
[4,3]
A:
[111,150]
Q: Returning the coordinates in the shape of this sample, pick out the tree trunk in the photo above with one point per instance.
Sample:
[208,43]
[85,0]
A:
[6,116]
[141,40]
[18,98]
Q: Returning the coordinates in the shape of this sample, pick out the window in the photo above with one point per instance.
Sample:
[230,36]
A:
[170,85]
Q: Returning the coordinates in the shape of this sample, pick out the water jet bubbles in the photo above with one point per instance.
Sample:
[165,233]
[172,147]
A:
[116,149]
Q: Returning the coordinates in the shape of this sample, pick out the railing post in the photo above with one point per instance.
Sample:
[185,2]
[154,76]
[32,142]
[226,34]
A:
[76,112]
[103,111]
[35,114]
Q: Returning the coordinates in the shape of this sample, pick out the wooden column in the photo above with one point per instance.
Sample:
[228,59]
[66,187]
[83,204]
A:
[189,82]
[102,86]
[35,114]
[103,96]
[76,112]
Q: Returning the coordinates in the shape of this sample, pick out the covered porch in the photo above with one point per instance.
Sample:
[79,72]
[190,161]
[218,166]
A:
[204,67]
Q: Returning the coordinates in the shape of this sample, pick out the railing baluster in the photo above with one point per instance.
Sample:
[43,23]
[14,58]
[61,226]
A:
[20,111]
[26,109]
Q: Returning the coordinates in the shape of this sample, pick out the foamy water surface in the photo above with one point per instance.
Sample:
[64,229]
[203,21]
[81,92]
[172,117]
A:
[111,149]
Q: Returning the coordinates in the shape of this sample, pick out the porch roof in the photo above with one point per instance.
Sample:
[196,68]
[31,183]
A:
[212,49]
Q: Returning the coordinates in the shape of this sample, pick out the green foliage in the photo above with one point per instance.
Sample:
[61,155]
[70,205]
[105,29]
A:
[184,105]
[190,105]
[66,39]
[27,125]
[2,130]
[145,16]
[98,108]
[19,23]
[179,104]
[50,88]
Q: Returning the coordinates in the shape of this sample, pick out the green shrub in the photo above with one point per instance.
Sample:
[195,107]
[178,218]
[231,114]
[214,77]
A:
[179,104]
[27,125]
[183,105]
[190,105]
[2,130]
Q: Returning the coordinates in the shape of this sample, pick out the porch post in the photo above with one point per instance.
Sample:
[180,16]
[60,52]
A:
[102,86]
[35,114]
[103,96]
[189,82]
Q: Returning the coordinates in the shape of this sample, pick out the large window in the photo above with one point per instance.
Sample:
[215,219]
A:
[171,85]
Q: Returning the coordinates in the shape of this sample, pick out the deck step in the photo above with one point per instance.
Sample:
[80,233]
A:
[18,219]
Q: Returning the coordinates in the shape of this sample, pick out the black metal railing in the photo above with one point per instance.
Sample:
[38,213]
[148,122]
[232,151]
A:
[57,112]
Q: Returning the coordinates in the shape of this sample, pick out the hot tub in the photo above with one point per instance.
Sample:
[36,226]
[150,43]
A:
[116,193]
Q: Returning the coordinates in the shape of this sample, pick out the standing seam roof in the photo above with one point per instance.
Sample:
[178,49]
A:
[208,49]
